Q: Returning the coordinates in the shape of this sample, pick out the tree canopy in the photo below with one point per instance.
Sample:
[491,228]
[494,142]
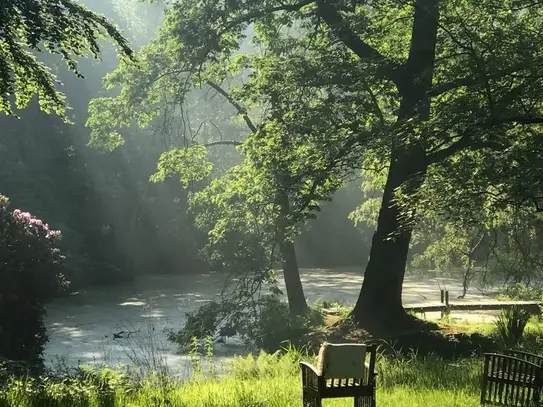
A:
[62,27]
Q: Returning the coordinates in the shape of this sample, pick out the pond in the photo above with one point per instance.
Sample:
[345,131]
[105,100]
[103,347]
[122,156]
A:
[82,326]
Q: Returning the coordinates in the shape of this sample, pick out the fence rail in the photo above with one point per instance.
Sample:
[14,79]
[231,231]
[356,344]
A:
[533,307]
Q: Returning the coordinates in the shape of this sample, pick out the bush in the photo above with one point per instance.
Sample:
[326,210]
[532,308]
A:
[266,325]
[274,326]
[521,292]
[31,273]
[511,323]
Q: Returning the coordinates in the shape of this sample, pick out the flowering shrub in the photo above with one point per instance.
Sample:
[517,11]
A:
[31,273]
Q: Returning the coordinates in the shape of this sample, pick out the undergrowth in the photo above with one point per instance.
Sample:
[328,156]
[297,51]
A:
[271,380]
[259,380]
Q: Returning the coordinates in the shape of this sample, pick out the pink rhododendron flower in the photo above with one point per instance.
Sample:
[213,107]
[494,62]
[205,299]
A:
[32,268]
[36,222]
[53,233]
[33,221]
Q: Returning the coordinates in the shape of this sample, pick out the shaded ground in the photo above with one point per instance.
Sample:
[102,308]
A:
[81,327]
[424,338]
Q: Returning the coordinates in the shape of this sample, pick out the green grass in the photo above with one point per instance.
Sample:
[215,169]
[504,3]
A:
[268,380]
[263,381]
[532,337]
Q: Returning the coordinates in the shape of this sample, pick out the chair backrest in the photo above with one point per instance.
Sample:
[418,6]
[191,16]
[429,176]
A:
[510,381]
[342,361]
[530,357]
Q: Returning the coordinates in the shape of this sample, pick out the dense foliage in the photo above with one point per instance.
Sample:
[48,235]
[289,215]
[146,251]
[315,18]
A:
[63,27]
[31,273]
[262,323]
[115,224]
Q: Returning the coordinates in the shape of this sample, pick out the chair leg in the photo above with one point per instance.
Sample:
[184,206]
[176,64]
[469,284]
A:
[310,400]
[364,401]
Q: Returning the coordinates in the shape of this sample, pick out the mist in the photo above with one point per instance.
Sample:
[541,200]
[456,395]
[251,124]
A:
[116,224]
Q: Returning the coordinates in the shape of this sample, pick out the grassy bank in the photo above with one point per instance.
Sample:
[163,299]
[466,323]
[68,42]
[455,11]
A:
[265,381]
[268,380]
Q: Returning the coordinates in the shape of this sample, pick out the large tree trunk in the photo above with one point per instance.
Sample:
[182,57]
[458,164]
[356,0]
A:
[293,283]
[380,300]
[291,273]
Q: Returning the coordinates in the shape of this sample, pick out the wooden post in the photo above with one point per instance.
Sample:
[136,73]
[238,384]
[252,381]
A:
[442,301]
[447,309]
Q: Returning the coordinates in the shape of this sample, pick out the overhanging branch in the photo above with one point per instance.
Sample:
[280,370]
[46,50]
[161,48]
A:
[222,143]
[240,109]
[321,178]
[441,155]
[463,143]
[467,141]
[364,51]
[452,85]
[472,80]
[251,16]
[522,119]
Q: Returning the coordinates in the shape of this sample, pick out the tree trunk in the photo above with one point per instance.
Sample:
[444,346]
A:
[291,273]
[293,283]
[380,300]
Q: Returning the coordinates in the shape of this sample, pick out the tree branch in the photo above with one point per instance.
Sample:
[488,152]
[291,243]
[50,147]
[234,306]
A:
[441,88]
[463,143]
[387,67]
[527,119]
[249,17]
[223,143]
[240,109]
[325,173]
[448,86]
[440,155]
[466,141]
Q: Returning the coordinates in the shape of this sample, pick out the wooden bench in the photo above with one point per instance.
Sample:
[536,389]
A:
[342,372]
[510,381]
[530,357]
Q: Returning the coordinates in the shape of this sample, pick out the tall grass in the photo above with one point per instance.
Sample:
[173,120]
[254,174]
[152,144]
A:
[265,380]
[260,380]
[511,324]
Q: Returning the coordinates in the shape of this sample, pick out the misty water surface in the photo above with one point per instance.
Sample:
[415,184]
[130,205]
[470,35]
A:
[81,326]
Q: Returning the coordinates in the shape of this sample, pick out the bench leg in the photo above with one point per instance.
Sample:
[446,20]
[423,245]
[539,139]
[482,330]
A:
[364,401]
[309,400]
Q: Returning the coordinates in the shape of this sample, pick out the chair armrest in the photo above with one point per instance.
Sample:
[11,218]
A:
[310,375]
[309,367]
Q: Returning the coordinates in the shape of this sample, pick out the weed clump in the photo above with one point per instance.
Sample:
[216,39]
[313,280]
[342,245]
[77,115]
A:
[511,324]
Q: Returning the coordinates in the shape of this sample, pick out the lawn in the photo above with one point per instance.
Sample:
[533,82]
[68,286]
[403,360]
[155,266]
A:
[267,380]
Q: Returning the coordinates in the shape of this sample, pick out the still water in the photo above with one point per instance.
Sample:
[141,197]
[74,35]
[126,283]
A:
[82,326]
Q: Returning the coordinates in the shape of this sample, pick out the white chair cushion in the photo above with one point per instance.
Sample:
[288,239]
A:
[342,361]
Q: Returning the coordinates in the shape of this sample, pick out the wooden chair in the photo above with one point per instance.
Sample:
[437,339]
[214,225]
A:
[510,381]
[342,371]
